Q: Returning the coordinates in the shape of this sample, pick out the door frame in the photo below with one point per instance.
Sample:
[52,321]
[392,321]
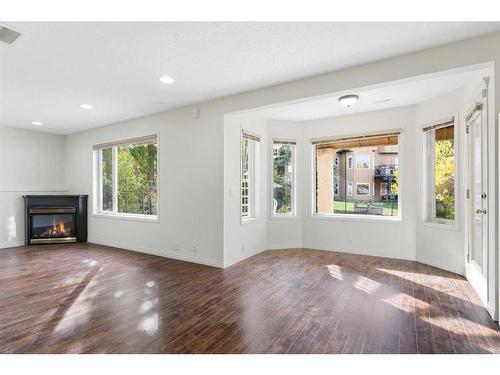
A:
[486,93]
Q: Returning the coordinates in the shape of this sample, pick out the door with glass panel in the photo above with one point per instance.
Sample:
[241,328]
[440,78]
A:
[477,254]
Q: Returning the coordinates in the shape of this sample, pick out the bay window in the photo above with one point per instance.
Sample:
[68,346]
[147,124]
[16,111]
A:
[248,181]
[283,178]
[439,174]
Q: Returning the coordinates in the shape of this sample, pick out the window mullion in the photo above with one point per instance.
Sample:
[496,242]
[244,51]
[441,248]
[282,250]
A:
[114,166]
[100,180]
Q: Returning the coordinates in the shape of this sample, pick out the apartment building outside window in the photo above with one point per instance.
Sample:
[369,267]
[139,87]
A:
[357,175]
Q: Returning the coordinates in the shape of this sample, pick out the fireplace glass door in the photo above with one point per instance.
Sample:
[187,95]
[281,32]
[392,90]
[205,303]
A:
[53,227]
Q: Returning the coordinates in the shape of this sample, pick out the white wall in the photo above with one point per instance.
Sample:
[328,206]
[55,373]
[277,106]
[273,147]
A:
[286,233]
[190,186]
[244,239]
[32,163]
[190,217]
[437,244]
[365,236]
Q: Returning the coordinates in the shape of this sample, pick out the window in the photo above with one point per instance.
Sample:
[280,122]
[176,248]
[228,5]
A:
[283,178]
[336,187]
[349,188]
[371,188]
[249,144]
[383,188]
[362,161]
[127,175]
[440,170]
[362,188]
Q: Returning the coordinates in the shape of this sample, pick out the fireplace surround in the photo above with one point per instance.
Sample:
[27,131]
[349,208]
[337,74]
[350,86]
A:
[55,219]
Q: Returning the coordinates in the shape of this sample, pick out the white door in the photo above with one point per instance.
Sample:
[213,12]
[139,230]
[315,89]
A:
[477,257]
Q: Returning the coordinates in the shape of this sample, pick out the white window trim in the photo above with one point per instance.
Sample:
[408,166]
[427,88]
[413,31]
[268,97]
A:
[369,189]
[293,214]
[430,219]
[97,167]
[252,180]
[355,217]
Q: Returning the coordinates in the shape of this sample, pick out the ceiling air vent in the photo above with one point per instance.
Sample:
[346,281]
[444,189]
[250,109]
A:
[8,35]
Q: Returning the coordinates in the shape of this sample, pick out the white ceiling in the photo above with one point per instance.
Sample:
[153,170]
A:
[389,96]
[55,67]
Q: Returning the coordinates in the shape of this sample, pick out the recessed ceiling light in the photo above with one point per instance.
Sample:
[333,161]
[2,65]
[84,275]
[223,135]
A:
[38,123]
[348,100]
[167,79]
[85,106]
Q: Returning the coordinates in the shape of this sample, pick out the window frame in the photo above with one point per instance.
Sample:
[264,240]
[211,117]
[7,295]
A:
[369,189]
[359,217]
[369,161]
[292,214]
[97,180]
[429,185]
[350,188]
[350,161]
[253,180]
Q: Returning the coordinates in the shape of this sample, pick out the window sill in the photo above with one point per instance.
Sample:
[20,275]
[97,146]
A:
[445,225]
[362,218]
[248,220]
[285,217]
[145,218]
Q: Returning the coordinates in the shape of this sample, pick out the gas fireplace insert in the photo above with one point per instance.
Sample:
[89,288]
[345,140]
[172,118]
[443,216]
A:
[52,219]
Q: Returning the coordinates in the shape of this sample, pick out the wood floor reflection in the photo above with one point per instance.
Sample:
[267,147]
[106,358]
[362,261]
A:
[88,298]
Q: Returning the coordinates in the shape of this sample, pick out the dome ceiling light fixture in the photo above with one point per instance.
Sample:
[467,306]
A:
[348,100]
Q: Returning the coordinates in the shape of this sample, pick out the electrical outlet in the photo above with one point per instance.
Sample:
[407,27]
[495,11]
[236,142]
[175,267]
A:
[243,247]
[195,249]
[176,246]
[349,242]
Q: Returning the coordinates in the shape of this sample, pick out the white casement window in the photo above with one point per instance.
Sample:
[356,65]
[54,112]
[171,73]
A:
[249,145]
[126,178]
[367,165]
[284,178]
[440,171]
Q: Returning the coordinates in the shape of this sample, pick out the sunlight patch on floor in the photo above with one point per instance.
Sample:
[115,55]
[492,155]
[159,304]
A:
[335,271]
[367,285]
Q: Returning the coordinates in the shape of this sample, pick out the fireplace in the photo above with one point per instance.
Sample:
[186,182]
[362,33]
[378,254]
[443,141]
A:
[52,219]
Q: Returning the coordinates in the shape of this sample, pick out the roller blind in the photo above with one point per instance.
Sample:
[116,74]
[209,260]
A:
[138,140]
[390,138]
[283,142]
[447,122]
[247,135]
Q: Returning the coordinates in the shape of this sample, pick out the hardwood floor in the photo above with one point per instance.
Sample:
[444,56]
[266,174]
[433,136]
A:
[95,299]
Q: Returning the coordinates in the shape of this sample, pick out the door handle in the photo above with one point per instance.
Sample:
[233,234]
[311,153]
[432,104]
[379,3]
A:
[481,211]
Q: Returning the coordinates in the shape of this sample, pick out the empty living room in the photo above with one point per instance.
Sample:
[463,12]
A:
[210,184]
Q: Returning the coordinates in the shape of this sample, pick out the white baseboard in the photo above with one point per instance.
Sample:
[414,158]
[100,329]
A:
[242,257]
[6,245]
[162,253]
[384,254]
[285,246]
[438,264]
